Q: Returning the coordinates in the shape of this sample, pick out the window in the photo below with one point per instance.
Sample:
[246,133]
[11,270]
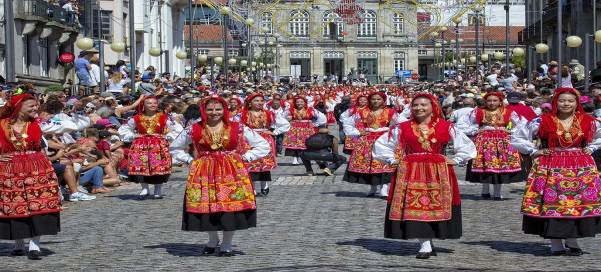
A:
[202,51]
[330,17]
[26,54]
[44,57]
[105,23]
[422,52]
[299,23]
[233,52]
[368,27]
[471,19]
[266,21]
[399,61]
[398,23]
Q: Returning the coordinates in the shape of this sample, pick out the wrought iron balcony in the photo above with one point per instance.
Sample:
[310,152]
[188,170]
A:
[40,10]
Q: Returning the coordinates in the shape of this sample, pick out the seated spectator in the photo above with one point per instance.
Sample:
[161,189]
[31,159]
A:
[322,147]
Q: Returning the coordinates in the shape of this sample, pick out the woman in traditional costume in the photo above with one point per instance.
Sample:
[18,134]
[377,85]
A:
[219,193]
[304,121]
[425,202]
[267,124]
[351,141]
[562,200]
[235,108]
[29,192]
[367,124]
[149,161]
[497,161]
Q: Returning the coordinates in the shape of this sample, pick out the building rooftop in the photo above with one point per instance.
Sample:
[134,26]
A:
[204,33]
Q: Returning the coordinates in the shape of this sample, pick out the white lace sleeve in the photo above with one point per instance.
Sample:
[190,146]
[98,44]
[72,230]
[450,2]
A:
[179,146]
[384,148]
[319,118]
[281,125]
[259,146]
[127,132]
[174,129]
[596,142]
[463,147]
[517,121]
[522,136]
[348,123]
[467,123]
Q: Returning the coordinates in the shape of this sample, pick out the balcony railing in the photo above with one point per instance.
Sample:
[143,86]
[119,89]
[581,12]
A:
[41,10]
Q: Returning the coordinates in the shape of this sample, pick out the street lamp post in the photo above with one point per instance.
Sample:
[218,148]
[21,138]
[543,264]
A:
[477,9]
[190,44]
[507,72]
[443,29]
[132,46]
[225,11]
[559,41]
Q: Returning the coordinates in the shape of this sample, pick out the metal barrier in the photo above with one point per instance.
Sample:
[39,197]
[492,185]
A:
[45,11]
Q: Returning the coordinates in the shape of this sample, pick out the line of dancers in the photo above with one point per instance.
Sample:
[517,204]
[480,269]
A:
[399,152]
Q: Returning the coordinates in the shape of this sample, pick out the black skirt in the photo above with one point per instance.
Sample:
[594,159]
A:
[551,228]
[223,221]
[293,152]
[260,176]
[450,229]
[493,178]
[158,179]
[35,225]
[371,179]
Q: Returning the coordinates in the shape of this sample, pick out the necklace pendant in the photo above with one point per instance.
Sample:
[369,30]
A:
[24,136]
[214,146]
[433,140]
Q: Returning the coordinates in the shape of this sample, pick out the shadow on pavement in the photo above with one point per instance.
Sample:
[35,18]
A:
[390,247]
[370,267]
[347,194]
[479,198]
[128,197]
[186,250]
[531,248]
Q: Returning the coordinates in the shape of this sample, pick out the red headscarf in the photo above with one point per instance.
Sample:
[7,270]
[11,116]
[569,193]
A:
[247,106]
[548,125]
[203,109]
[381,94]
[436,109]
[12,108]
[563,90]
[141,105]
[500,95]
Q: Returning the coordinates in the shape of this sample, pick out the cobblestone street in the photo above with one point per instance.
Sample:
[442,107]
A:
[306,224]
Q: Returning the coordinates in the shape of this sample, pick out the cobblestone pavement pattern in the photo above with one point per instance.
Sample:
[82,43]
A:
[306,224]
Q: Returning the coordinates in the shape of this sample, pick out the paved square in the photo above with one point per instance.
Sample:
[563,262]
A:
[306,224]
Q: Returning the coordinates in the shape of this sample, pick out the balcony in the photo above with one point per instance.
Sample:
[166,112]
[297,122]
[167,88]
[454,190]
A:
[41,11]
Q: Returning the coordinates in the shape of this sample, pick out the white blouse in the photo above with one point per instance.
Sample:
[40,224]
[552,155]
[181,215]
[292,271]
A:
[522,137]
[259,146]
[385,146]
[468,124]
[63,123]
[349,123]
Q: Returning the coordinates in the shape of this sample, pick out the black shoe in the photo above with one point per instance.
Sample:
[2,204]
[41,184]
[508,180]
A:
[485,196]
[209,250]
[559,252]
[143,197]
[497,198]
[226,253]
[34,255]
[265,191]
[423,255]
[18,252]
[574,251]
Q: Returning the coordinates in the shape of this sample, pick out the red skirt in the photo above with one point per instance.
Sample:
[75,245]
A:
[425,189]
[218,182]
[362,161]
[149,156]
[28,186]
[495,154]
[266,163]
[563,185]
[299,132]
